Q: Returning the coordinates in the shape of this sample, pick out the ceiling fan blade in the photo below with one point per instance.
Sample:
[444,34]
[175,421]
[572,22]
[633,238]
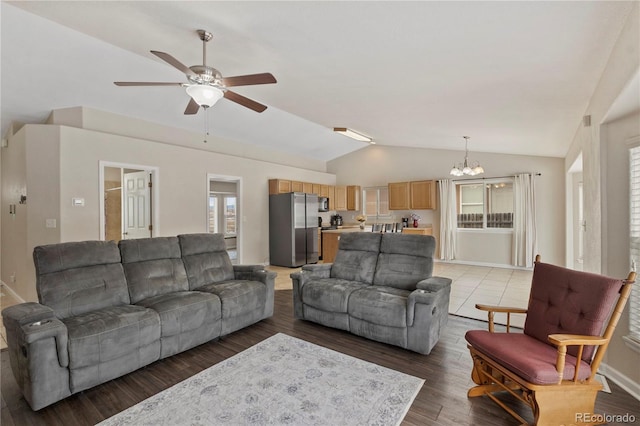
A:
[248,80]
[144,83]
[174,62]
[192,108]
[246,102]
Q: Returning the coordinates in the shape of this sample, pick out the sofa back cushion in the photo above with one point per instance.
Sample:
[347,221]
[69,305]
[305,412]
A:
[205,259]
[357,256]
[153,266]
[77,277]
[404,260]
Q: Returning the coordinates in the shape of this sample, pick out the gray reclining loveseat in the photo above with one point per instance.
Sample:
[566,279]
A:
[106,311]
[380,286]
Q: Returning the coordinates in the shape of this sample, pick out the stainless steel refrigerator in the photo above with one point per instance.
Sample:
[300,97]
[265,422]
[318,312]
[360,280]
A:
[293,229]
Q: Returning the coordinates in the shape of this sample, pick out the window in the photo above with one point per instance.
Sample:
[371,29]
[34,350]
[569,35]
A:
[222,214]
[376,202]
[485,205]
[634,237]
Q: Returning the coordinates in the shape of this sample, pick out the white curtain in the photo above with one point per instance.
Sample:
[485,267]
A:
[524,220]
[448,219]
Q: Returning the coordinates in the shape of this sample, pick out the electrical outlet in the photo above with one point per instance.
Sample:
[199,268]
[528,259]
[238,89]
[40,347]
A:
[50,223]
[12,278]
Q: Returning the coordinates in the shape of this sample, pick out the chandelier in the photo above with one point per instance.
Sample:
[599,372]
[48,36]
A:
[466,168]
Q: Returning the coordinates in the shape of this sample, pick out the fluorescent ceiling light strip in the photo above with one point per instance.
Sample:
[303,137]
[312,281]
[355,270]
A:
[353,135]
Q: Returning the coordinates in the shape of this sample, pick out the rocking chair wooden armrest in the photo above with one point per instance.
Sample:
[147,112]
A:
[491,309]
[564,340]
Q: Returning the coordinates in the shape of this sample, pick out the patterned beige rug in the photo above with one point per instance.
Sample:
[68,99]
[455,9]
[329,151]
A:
[281,380]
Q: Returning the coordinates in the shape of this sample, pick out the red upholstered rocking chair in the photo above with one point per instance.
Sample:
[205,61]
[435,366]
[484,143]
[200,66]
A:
[551,366]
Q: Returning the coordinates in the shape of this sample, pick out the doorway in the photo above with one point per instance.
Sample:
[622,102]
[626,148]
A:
[223,212]
[128,201]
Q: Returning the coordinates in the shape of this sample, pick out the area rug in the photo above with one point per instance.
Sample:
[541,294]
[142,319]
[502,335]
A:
[281,380]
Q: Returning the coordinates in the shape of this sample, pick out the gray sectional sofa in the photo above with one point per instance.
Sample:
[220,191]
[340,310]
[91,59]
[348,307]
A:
[381,287]
[106,310]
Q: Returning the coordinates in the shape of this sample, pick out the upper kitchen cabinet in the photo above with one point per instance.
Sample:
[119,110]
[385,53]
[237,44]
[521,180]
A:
[399,196]
[340,199]
[423,195]
[297,186]
[353,197]
[324,191]
[307,188]
[279,186]
[315,189]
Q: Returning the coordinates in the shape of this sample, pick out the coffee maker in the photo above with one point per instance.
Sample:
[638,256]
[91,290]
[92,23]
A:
[405,222]
[336,220]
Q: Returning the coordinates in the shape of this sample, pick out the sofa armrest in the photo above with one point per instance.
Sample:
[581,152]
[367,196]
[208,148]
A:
[434,294]
[28,323]
[245,272]
[298,280]
[434,283]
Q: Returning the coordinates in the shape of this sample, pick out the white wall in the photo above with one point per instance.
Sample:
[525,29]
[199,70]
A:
[57,163]
[378,165]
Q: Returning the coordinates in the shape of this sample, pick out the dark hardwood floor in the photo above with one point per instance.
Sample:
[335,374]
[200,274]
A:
[441,401]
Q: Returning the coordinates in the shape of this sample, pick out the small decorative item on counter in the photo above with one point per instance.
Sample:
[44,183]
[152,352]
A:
[362,219]
[415,219]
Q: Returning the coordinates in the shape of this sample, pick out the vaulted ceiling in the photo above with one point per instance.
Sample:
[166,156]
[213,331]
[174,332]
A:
[515,76]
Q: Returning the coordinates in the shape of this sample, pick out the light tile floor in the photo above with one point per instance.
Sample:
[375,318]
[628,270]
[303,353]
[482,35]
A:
[471,285]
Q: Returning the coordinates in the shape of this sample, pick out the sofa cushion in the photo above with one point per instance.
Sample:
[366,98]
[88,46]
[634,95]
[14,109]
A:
[184,311]
[380,305]
[238,297]
[404,260]
[330,294]
[205,259]
[79,277]
[356,257]
[110,333]
[564,301]
[153,267]
[538,367]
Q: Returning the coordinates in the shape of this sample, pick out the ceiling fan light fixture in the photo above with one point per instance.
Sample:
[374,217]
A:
[352,134]
[206,96]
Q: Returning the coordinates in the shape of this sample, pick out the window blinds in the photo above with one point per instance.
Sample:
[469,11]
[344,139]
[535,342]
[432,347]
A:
[634,237]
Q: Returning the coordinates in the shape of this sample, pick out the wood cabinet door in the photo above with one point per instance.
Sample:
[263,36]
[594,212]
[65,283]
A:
[423,194]
[399,195]
[296,186]
[315,188]
[332,197]
[340,202]
[279,186]
[353,197]
[324,191]
[307,187]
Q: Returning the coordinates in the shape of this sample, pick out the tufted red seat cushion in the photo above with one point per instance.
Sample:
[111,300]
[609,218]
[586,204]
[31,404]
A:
[564,301]
[539,364]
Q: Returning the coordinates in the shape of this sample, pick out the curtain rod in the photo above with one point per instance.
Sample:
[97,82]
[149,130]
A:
[494,177]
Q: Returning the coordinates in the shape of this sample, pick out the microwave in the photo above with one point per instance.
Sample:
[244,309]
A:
[323,204]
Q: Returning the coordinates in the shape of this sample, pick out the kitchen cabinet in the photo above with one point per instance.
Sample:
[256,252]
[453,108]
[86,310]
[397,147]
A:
[423,194]
[296,186]
[307,188]
[418,231]
[399,195]
[332,197]
[324,191]
[315,189]
[340,199]
[279,186]
[353,197]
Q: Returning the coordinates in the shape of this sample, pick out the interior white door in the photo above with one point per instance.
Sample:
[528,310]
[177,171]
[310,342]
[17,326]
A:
[136,205]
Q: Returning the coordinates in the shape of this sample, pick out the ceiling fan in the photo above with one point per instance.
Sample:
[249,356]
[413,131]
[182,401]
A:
[206,85]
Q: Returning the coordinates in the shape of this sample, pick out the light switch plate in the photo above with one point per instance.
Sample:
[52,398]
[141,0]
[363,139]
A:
[77,202]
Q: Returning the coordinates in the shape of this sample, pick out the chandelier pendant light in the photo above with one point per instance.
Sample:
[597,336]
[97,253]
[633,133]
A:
[466,168]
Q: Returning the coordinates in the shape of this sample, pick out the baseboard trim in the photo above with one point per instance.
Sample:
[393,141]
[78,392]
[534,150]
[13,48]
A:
[8,289]
[485,264]
[621,380]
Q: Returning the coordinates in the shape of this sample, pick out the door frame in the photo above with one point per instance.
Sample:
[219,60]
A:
[155,190]
[240,218]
